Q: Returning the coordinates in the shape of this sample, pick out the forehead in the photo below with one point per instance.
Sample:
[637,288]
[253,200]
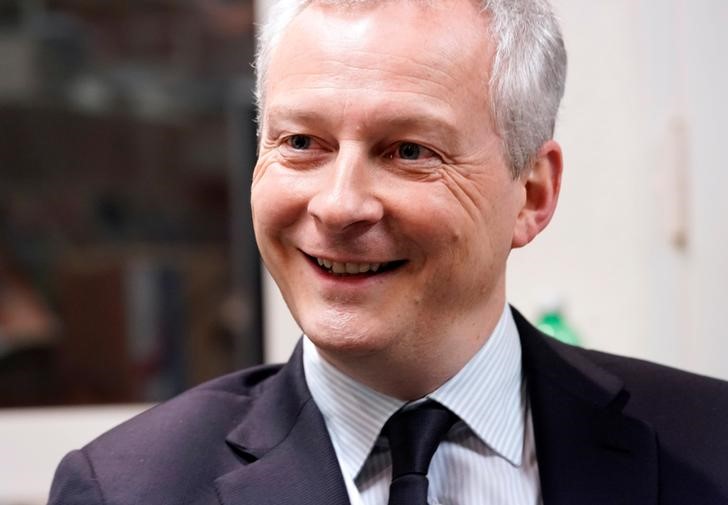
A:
[392,45]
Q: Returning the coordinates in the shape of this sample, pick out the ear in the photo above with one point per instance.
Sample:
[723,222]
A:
[542,183]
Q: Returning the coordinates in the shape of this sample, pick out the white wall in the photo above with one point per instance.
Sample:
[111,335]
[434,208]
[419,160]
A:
[641,127]
[281,331]
[706,82]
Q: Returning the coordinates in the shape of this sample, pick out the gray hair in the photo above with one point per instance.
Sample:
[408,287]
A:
[526,80]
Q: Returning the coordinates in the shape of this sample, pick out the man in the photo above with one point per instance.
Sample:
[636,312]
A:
[405,149]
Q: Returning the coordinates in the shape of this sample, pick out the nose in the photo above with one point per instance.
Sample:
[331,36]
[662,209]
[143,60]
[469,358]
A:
[345,199]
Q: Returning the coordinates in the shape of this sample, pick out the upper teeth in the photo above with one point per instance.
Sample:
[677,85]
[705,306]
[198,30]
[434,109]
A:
[348,268]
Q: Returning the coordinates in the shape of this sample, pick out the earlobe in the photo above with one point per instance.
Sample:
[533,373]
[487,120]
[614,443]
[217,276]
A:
[542,183]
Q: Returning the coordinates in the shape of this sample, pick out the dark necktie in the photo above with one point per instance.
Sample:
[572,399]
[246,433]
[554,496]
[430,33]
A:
[413,436]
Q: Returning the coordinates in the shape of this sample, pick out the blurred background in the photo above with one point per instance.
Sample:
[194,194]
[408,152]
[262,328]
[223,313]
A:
[128,270]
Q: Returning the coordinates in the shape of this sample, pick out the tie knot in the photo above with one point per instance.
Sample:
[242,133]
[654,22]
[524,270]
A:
[414,435]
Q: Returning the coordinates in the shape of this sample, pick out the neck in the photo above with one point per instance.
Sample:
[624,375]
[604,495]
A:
[410,373]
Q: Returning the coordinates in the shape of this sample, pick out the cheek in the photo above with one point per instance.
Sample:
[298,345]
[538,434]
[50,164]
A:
[467,238]
[440,221]
[277,202]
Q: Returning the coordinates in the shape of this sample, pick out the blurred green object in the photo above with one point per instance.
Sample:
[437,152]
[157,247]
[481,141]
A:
[553,323]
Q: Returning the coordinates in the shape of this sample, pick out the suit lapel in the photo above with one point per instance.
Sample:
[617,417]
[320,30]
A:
[588,450]
[286,448]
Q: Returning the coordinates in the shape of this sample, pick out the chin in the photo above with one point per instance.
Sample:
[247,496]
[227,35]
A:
[345,338]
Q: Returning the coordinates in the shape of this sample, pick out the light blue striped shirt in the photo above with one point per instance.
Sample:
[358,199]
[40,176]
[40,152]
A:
[487,457]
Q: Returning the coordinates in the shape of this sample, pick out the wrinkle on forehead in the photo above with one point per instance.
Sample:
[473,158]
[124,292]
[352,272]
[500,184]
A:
[389,117]
[421,38]
[340,80]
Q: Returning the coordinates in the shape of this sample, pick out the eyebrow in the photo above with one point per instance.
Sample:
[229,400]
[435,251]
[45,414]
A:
[389,121]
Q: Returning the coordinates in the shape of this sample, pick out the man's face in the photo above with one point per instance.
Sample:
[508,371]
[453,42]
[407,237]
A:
[382,203]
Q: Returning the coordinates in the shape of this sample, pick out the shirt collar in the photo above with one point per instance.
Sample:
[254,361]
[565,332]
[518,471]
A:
[486,394]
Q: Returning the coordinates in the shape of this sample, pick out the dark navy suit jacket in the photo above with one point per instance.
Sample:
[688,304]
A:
[609,430]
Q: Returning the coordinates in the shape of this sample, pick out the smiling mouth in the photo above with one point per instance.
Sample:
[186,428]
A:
[350,269]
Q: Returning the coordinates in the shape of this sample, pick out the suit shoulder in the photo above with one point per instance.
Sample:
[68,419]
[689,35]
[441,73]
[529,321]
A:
[247,382]
[216,402]
[176,447]
[643,374]
[688,413]
[668,397]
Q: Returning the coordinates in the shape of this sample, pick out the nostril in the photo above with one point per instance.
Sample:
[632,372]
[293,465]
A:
[342,213]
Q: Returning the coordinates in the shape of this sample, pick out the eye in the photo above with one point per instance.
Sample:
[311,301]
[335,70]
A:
[410,151]
[302,149]
[299,142]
